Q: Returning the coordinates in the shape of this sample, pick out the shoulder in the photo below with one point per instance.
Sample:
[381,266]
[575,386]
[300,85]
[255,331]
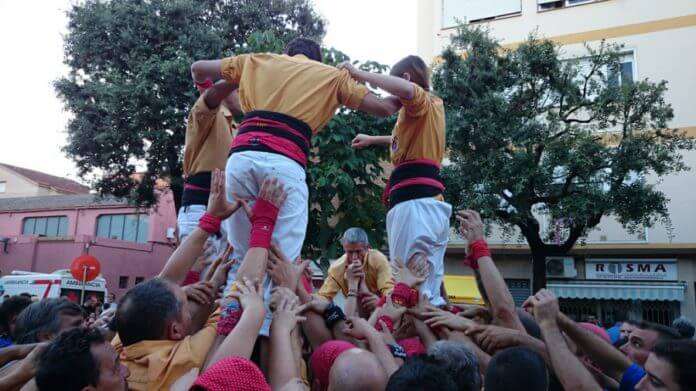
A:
[338,265]
[378,257]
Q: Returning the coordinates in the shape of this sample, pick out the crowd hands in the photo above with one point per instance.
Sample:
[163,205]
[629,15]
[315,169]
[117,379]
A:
[182,330]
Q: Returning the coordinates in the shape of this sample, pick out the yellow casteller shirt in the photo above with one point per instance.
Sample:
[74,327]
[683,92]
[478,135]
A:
[166,364]
[378,276]
[208,138]
[296,86]
[419,132]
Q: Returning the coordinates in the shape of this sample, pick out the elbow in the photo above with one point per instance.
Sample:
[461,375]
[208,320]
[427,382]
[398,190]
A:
[505,315]
[196,69]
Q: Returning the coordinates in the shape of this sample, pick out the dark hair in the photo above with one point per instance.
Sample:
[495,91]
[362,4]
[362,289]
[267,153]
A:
[664,333]
[67,363]
[513,367]
[9,309]
[530,325]
[684,326]
[144,313]
[421,373]
[416,68]
[43,317]
[304,46]
[681,354]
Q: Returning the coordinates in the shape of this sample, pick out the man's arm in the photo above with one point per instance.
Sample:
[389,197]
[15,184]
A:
[214,95]
[499,296]
[569,370]
[396,86]
[283,367]
[379,107]
[607,358]
[203,70]
[240,341]
[330,287]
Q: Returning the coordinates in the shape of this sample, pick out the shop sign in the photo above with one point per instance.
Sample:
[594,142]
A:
[631,269]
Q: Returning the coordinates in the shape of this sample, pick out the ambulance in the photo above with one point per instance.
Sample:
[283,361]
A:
[51,285]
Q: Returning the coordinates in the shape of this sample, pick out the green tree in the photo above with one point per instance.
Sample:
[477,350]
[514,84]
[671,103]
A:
[129,87]
[533,136]
[344,184]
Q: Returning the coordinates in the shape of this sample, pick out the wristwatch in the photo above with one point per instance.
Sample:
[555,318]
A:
[397,351]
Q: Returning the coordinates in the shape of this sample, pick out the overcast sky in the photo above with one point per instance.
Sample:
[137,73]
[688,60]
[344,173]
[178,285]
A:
[33,124]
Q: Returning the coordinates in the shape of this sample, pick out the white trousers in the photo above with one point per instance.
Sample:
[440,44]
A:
[244,175]
[421,226]
[187,220]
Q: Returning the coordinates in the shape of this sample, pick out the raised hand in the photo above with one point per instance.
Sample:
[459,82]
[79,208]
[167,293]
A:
[203,292]
[405,275]
[354,72]
[358,327]
[282,271]
[249,294]
[273,192]
[287,314]
[447,319]
[470,225]
[544,306]
[391,310]
[361,141]
[493,338]
[217,201]
[353,275]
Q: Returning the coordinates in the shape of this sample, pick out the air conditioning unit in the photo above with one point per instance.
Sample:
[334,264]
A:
[561,267]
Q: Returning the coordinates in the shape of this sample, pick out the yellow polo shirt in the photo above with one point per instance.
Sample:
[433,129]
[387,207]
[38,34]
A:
[296,86]
[419,132]
[208,138]
[378,276]
[159,365]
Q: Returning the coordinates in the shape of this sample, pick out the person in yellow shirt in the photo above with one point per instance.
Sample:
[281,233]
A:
[417,217]
[286,100]
[209,132]
[377,276]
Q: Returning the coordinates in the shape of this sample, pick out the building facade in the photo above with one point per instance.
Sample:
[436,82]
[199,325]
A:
[23,182]
[613,275]
[45,233]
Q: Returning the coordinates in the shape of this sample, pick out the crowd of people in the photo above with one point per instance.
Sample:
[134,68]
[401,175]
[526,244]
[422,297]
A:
[248,318]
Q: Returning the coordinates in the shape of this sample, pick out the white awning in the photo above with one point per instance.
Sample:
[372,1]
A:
[618,290]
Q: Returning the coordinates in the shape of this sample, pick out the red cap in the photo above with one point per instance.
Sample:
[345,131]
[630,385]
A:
[323,358]
[413,346]
[234,374]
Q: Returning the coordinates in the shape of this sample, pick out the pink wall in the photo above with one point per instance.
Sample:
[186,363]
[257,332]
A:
[118,258]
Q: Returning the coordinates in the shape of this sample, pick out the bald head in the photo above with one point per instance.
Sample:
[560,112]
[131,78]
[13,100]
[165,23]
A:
[357,370]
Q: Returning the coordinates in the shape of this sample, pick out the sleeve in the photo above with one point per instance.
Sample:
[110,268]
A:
[350,92]
[419,104]
[330,287]
[201,342]
[200,121]
[232,67]
[631,377]
[385,279]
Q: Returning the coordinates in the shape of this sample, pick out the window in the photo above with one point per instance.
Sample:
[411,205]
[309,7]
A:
[138,280]
[123,282]
[468,11]
[52,226]
[624,72]
[520,289]
[545,5]
[3,186]
[128,227]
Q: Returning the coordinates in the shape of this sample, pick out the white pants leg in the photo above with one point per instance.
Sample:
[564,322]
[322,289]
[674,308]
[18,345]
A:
[244,175]
[421,226]
[187,220]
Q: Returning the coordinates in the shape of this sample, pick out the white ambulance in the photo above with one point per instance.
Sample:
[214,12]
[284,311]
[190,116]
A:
[51,285]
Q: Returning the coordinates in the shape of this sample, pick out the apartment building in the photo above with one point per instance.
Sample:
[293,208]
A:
[613,275]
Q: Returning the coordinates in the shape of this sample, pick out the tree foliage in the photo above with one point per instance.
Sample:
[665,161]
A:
[534,136]
[129,86]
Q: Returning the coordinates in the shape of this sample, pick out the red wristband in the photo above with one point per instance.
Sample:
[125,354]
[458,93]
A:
[205,85]
[477,249]
[209,223]
[263,219]
[191,278]
[387,321]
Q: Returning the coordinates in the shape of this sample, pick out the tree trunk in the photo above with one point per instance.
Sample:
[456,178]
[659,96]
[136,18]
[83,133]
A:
[538,270]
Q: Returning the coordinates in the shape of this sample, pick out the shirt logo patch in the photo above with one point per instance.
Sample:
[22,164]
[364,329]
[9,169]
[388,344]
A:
[395,144]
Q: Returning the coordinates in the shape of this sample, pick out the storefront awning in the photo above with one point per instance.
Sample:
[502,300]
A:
[462,290]
[618,290]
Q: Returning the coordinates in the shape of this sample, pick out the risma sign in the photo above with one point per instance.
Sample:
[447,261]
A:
[631,269]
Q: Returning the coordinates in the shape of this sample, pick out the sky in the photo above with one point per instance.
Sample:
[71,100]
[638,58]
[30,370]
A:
[33,127]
